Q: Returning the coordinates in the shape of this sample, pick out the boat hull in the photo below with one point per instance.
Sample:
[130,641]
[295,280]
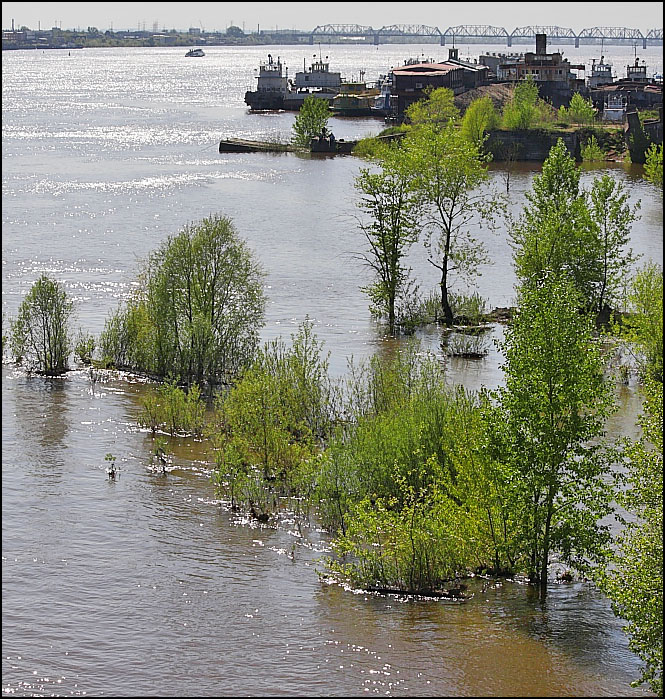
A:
[264,101]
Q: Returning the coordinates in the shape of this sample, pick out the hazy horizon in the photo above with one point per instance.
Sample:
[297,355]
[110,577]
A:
[217,16]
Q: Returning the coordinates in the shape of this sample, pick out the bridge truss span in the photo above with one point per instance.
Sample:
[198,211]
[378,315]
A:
[475,31]
[487,33]
[553,33]
[343,30]
[409,30]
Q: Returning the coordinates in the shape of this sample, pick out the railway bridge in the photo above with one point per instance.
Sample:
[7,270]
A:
[462,33]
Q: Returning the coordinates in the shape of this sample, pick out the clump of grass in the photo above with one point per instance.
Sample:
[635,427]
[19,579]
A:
[469,345]
[468,309]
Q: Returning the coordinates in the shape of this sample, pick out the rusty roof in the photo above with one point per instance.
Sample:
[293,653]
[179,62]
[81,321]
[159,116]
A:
[426,69]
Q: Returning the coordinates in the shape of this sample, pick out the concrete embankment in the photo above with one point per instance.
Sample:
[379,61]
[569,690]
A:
[531,145]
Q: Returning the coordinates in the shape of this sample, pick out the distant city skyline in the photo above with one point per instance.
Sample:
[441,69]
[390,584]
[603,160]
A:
[217,16]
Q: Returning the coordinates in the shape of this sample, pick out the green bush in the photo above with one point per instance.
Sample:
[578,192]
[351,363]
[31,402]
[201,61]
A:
[173,410]
[468,309]
[591,151]
[196,315]
[310,120]
[370,148]
[273,422]
[479,118]
[85,347]
[653,167]
[408,493]
[472,345]
[40,335]
[581,111]
[521,111]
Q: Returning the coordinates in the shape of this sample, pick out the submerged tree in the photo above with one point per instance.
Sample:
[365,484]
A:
[566,229]
[198,310]
[40,335]
[310,120]
[551,413]
[646,320]
[391,206]
[611,218]
[448,172]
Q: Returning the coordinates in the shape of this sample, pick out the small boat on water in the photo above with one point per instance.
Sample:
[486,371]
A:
[195,53]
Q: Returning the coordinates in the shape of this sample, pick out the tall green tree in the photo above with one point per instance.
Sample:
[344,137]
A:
[41,333]
[479,118]
[552,412]
[197,313]
[310,120]
[436,107]
[448,173]
[389,203]
[611,218]
[555,231]
[580,110]
[522,112]
[634,580]
[646,304]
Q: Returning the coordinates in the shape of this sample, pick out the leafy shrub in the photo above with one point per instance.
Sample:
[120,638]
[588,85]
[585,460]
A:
[273,421]
[196,315]
[479,118]
[581,111]
[310,120]
[468,309]
[85,346]
[172,409]
[370,148]
[40,335]
[591,151]
[653,167]
[465,344]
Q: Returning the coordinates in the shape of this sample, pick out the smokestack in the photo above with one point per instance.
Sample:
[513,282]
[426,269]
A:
[12,25]
[541,44]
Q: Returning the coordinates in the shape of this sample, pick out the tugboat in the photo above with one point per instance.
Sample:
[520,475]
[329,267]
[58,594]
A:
[601,73]
[275,90]
[637,73]
[195,53]
[272,86]
[317,81]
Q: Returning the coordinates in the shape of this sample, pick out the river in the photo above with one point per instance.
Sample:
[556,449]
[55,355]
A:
[148,585]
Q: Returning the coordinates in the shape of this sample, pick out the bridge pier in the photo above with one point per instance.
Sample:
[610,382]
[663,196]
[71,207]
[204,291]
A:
[376,40]
[311,39]
[442,40]
[509,41]
[644,43]
[577,42]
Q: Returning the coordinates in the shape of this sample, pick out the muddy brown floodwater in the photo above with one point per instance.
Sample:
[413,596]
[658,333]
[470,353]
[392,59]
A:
[147,585]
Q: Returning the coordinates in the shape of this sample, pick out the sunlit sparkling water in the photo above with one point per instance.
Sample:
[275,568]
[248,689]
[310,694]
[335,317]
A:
[149,585]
